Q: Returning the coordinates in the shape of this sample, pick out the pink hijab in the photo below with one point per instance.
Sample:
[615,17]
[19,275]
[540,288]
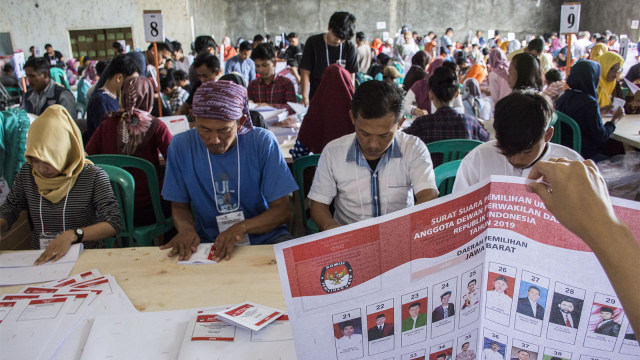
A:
[499,64]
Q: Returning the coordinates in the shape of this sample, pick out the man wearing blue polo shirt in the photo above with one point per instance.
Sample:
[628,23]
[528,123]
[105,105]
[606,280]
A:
[233,175]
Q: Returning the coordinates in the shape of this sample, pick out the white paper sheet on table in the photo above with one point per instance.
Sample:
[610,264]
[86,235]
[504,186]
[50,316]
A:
[273,342]
[268,112]
[17,267]
[149,335]
[176,124]
[298,108]
[28,328]
[203,255]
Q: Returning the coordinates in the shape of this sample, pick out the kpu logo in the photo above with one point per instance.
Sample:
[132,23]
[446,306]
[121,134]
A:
[336,277]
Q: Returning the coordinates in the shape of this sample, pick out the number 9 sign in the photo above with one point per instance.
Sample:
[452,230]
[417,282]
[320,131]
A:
[153,30]
[570,18]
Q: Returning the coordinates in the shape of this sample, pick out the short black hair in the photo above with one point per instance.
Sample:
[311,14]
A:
[448,29]
[204,42]
[258,37]
[245,46]
[501,278]
[342,24]
[465,344]
[613,36]
[553,75]
[124,65]
[533,288]
[176,45]
[210,61]
[38,64]
[31,47]
[528,70]
[180,75]
[414,305]
[536,44]
[450,65]
[485,51]
[381,316]
[524,351]
[360,36]
[606,309]
[443,355]
[292,35]
[167,82]
[472,281]
[569,301]
[444,84]
[520,120]
[234,77]
[162,46]
[101,65]
[445,294]
[263,51]
[384,59]
[374,99]
[8,68]
[47,46]
[86,58]
[496,32]
[346,323]
[118,46]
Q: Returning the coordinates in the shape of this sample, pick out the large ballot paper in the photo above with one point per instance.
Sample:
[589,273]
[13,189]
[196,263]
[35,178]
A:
[485,274]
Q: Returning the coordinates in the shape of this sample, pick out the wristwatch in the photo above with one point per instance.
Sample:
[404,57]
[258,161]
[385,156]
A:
[79,235]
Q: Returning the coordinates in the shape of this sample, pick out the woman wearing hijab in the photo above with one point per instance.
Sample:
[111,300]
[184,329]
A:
[72,71]
[418,70]
[68,199]
[376,45]
[580,102]
[498,75]
[328,116]
[610,67]
[474,104]
[597,50]
[524,72]
[134,131]
[477,71]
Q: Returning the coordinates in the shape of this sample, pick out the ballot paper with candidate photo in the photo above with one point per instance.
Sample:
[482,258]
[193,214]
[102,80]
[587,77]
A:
[472,252]
[203,255]
[250,315]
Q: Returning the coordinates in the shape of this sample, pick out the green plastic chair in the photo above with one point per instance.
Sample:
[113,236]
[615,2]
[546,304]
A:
[446,176]
[454,149]
[58,75]
[299,165]
[576,135]
[142,235]
[124,189]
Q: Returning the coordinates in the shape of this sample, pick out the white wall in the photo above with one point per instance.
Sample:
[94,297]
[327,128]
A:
[52,19]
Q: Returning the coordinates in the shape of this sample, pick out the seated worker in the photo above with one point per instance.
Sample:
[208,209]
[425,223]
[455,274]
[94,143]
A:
[269,88]
[242,63]
[376,170]
[523,133]
[231,174]
[44,91]
[207,68]
[176,94]
[68,199]
[134,131]
[107,98]
[445,123]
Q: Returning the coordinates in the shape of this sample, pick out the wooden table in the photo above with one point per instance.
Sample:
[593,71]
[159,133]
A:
[628,130]
[155,282]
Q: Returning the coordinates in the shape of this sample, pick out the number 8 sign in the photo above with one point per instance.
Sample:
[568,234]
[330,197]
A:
[153,30]
[570,18]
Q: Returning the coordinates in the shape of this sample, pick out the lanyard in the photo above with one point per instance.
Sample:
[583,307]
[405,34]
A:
[64,210]
[326,47]
[273,86]
[379,195]
[213,182]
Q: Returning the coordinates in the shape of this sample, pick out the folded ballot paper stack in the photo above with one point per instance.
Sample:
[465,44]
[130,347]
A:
[53,320]
[187,334]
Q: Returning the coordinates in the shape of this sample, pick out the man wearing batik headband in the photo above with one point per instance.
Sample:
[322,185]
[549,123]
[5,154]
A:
[231,174]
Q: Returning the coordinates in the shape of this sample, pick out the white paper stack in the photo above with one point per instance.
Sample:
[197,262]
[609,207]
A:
[17,267]
[53,320]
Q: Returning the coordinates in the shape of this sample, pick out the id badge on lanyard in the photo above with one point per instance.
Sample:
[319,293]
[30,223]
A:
[45,239]
[225,221]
